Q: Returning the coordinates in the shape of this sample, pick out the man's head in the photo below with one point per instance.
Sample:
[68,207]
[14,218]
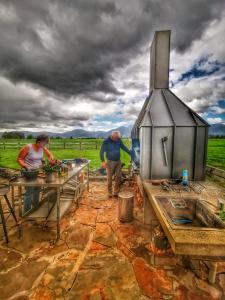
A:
[42,140]
[115,136]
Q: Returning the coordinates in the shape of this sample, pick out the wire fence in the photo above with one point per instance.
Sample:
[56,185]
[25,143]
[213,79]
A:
[78,145]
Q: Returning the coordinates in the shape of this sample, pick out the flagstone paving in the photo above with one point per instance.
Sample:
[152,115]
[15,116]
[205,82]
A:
[97,258]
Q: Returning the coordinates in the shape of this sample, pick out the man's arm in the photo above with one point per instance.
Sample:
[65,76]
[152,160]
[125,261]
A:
[102,152]
[124,147]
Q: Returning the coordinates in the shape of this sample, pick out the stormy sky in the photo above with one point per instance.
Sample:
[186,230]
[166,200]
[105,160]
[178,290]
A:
[85,63]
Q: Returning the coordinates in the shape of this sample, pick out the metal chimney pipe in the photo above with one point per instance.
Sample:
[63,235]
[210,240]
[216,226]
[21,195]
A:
[160,60]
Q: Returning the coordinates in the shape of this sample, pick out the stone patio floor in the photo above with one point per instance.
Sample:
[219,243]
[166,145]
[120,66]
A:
[97,258]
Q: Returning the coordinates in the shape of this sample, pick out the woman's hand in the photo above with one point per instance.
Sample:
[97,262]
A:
[55,162]
[26,167]
[104,165]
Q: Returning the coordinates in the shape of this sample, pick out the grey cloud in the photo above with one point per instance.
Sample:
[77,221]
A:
[71,48]
[81,42]
[31,110]
[134,85]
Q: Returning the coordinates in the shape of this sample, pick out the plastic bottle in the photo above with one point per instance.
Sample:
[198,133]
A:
[185,177]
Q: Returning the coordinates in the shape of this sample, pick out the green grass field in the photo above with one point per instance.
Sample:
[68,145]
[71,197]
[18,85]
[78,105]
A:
[216,153]
[8,156]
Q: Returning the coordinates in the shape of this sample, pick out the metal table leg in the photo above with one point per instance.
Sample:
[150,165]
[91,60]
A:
[13,197]
[20,196]
[58,212]
[88,177]
[10,208]
[3,222]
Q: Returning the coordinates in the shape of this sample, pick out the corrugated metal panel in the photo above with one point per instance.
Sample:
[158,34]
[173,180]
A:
[199,121]
[199,160]
[145,152]
[181,113]
[194,115]
[184,151]
[146,121]
[160,168]
[159,110]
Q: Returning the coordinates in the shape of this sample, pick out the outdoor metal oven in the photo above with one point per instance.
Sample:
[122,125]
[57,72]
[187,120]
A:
[168,136]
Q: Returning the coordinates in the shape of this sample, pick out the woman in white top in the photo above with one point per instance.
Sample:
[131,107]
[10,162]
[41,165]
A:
[30,157]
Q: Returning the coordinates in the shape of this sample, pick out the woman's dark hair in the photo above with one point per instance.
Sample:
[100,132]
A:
[42,138]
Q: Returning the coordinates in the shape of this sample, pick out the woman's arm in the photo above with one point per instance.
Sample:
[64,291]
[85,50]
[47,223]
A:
[21,157]
[49,155]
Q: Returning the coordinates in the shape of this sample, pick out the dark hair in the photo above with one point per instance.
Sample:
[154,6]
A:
[42,138]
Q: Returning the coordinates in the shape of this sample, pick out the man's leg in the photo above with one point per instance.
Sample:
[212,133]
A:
[110,171]
[118,176]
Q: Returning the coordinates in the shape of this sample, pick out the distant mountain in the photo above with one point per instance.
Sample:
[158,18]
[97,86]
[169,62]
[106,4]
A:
[34,134]
[77,133]
[81,133]
[217,129]
[124,130]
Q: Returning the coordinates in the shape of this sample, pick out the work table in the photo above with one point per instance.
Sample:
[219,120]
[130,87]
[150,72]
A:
[59,206]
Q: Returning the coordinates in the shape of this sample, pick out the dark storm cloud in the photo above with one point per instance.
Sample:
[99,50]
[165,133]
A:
[71,48]
[18,111]
[135,85]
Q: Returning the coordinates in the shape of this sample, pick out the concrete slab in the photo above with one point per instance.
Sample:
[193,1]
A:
[195,241]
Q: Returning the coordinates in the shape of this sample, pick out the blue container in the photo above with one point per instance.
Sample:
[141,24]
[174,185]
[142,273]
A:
[185,177]
[135,152]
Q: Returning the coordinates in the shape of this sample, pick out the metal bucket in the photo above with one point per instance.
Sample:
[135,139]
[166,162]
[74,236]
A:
[50,177]
[126,206]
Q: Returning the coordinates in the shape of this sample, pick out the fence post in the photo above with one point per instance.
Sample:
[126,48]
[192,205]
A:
[64,145]
[4,145]
[96,145]
[18,145]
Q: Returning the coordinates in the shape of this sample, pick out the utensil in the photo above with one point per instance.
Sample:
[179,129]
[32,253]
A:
[164,140]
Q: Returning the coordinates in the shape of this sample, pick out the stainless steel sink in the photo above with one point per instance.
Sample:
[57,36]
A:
[189,212]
